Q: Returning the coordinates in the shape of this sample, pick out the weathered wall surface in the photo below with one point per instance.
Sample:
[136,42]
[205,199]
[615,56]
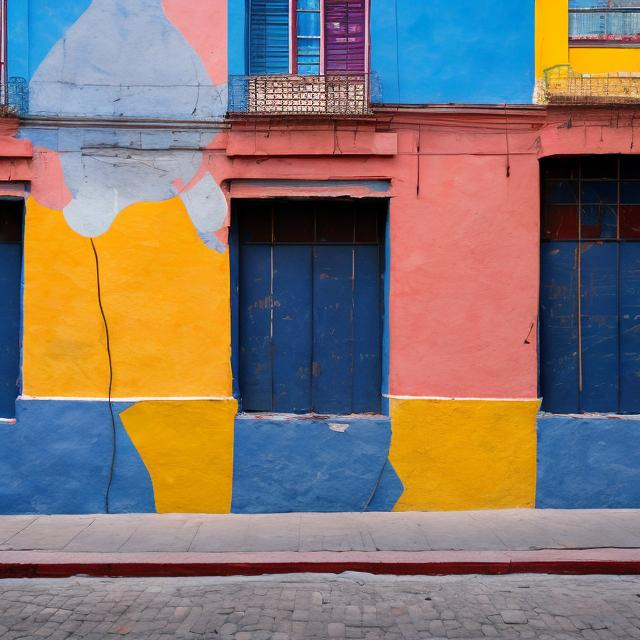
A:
[588,462]
[151,198]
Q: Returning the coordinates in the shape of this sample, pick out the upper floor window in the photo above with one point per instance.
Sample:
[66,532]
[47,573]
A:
[307,37]
[613,22]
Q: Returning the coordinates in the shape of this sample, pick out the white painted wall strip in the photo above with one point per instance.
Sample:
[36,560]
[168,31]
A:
[394,397]
[127,399]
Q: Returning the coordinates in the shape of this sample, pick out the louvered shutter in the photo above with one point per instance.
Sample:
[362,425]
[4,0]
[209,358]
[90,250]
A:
[269,37]
[345,27]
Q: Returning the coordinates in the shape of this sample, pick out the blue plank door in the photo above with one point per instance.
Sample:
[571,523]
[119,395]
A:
[10,285]
[310,328]
[601,336]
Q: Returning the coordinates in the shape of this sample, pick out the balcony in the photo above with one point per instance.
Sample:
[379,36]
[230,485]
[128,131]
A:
[14,97]
[561,85]
[344,95]
[602,26]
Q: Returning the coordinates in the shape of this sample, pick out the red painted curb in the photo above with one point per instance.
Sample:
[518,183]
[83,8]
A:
[34,564]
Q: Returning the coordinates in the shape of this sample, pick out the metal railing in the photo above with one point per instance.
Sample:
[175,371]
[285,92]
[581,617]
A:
[561,85]
[615,25]
[336,94]
[14,97]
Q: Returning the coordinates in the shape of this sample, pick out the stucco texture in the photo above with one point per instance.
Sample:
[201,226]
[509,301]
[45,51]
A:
[188,449]
[464,454]
[165,295]
[296,464]
[588,462]
[57,459]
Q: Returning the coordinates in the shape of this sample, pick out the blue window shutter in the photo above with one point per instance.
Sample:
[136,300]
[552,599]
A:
[269,37]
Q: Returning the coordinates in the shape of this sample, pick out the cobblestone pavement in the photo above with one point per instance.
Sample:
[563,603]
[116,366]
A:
[323,606]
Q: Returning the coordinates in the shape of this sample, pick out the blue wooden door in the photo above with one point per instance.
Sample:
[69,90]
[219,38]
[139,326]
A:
[10,286]
[311,307]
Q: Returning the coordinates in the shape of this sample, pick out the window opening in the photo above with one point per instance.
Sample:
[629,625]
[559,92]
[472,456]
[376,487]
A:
[310,305]
[604,21]
[326,36]
[590,284]
[11,219]
[308,33]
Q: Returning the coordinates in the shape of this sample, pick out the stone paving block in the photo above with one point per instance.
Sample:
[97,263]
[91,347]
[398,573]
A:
[513,617]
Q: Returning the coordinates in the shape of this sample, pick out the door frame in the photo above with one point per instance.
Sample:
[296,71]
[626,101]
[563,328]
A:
[234,286]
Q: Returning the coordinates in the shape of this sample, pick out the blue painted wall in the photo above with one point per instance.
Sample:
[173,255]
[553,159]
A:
[236,43]
[34,26]
[588,463]
[56,459]
[466,51]
[438,51]
[305,465]
[76,56]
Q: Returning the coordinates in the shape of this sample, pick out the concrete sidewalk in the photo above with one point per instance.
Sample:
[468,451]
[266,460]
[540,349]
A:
[454,542]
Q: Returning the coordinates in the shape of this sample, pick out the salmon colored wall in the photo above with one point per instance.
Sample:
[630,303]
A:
[465,261]
[204,25]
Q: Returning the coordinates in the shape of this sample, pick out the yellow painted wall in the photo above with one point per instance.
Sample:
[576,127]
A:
[166,297]
[188,449]
[464,454]
[604,60]
[552,34]
[552,45]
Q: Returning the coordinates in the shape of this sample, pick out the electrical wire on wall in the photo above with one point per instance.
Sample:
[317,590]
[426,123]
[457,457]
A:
[111,413]
[506,135]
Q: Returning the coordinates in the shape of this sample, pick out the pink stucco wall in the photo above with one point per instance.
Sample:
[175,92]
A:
[464,234]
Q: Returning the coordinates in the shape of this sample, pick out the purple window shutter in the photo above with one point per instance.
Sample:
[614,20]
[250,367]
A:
[345,35]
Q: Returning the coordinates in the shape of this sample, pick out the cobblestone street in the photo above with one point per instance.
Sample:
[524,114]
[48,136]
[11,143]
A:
[323,606]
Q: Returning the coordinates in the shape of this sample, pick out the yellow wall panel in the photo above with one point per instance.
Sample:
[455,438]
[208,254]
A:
[604,59]
[188,449]
[552,45]
[464,454]
[166,298]
[552,34]
[63,343]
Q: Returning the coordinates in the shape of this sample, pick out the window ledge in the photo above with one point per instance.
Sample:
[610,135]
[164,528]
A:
[323,417]
[602,44]
[591,416]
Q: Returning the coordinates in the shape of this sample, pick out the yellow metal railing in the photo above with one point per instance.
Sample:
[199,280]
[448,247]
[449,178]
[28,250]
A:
[562,85]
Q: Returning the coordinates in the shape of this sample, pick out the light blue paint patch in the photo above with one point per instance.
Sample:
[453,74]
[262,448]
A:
[34,27]
[388,491]
[118,60]
[468,51]
[56,459]
[236,29]
[309,465]
[588,463]
[106,170]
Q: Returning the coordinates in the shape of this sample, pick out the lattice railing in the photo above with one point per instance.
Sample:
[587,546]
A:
[561,85]
[348,94]
[14,97]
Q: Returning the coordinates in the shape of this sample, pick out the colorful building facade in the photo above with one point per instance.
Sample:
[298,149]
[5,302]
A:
[265,256]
